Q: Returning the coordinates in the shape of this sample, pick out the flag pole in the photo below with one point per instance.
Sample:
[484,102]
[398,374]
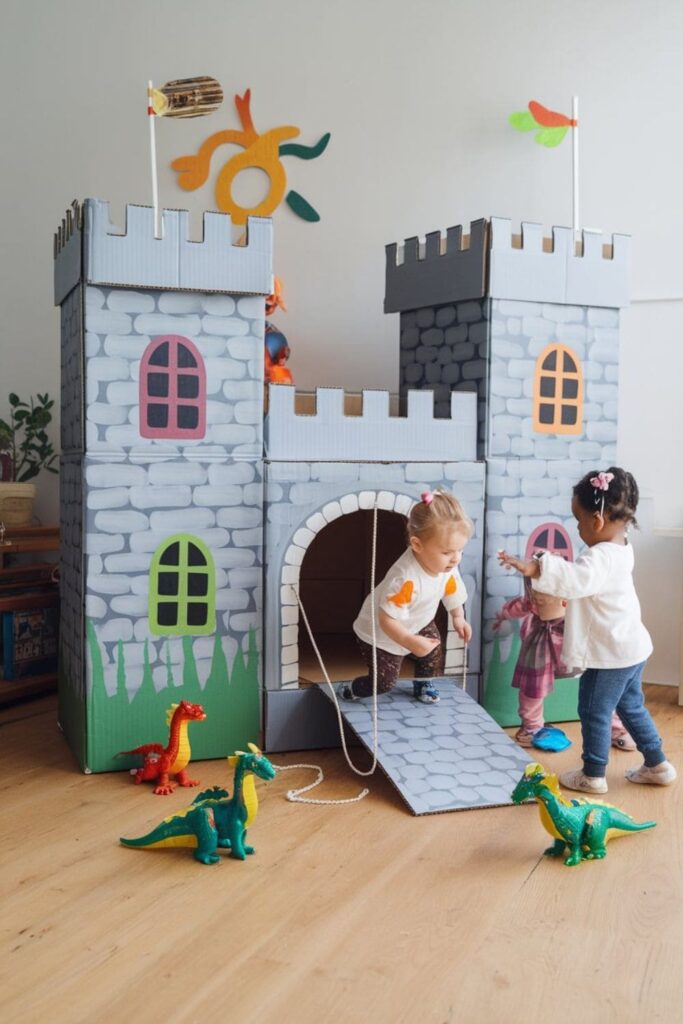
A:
[575,165]
[153,156]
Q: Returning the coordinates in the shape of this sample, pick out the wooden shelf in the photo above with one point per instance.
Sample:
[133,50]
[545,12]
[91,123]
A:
[12,690]
[23,584]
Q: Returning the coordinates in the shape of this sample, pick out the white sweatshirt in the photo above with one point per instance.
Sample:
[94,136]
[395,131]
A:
[410,595]
[603,627]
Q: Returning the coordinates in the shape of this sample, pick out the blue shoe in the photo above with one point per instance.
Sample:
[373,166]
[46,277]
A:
[345,691]
[425,691]
[550,738]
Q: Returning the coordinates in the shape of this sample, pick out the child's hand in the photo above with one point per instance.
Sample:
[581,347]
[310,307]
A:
[463,629]
[421,646]
[530,568]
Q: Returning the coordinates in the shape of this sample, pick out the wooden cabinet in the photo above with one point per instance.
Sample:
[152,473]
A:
[28,562]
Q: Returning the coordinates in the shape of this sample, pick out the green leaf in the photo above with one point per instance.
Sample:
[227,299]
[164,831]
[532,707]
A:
[550,136]
[13,399]
[301,207]
[305,152]
[523,121]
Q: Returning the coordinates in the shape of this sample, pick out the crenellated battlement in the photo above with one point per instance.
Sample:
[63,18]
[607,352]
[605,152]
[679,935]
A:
[494,262]
[590,271]
[88,247]
[374,435]
[440,269]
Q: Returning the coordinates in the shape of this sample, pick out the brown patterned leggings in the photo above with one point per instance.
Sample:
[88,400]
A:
[389,665]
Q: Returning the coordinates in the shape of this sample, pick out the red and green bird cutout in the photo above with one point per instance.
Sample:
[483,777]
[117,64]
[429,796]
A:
[550,126]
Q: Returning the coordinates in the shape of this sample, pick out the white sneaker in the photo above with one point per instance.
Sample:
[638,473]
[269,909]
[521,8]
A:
[582,783]
[661,775]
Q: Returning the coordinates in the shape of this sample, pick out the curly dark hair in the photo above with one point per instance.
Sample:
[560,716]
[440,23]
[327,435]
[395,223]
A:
[621,497]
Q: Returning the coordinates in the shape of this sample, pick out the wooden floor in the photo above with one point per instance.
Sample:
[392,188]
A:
[359,913]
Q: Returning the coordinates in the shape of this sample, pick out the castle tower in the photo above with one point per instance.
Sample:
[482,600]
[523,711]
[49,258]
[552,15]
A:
[161,478]
[531,324]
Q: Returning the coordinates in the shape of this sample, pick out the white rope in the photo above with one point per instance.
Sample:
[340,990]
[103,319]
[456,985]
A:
[294,795]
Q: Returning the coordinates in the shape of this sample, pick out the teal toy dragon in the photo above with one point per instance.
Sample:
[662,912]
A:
[584,827]
[215,820]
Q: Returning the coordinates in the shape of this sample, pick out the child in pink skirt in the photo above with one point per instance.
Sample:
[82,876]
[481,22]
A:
[539,662]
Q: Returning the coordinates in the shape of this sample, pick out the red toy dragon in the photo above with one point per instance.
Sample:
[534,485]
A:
[161,762]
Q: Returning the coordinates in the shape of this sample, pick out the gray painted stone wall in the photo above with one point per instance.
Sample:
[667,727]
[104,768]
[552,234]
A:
[71,580]
[228,333]
[130,510]
[444,349]
[72,372]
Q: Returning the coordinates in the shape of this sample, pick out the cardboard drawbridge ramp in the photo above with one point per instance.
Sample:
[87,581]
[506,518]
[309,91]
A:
[449,756]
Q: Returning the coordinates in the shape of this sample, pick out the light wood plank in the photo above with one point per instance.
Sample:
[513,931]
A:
[345,914]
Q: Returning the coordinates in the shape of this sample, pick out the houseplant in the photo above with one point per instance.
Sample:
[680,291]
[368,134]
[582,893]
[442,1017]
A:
[25,450]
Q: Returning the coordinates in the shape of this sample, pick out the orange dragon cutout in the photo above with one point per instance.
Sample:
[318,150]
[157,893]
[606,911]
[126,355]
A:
[404,596]
[451,586]
[262,151]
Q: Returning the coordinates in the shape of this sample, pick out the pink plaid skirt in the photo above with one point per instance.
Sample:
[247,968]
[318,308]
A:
[540,657]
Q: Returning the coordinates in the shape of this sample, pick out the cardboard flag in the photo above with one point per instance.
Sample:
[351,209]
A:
[186,97]
[551,127]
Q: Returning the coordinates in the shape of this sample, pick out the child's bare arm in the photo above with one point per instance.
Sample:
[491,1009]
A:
[460,625]
[418,645]
[530,568]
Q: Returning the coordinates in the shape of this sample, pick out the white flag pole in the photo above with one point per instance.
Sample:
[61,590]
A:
[153,156]
[575,165]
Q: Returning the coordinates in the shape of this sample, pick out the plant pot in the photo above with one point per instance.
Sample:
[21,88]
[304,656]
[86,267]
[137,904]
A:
[16,503]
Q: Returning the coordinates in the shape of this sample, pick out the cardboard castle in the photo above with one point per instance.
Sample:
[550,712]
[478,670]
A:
[188,519]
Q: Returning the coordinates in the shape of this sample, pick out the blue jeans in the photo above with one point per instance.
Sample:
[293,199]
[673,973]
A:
[601,690]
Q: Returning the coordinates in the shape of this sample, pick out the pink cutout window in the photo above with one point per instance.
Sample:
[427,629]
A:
[550,537]
[172,389]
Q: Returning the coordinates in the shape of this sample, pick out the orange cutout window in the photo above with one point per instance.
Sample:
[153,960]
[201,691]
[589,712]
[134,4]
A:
[558,392]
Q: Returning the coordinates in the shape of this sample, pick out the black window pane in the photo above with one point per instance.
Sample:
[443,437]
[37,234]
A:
[197,614]
[197,584]
[569,415]
[185,357]
[550,361]
[157,385]
[167,613]
[542,540]
[546,413]
[188,387]
[157,415]
[547,387]
[168,583]
[159,356]
[560,541]
[194,555]
[568,364]
[570,387]
[188,417]
[171,554]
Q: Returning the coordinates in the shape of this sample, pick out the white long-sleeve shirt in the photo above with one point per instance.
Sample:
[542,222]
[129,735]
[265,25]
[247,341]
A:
[411,596]
[603,627]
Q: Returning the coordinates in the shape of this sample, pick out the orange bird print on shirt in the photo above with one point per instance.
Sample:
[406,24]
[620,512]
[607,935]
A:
[404,596]
[451,586]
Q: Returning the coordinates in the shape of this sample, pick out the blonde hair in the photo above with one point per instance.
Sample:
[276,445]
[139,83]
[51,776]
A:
[434,511]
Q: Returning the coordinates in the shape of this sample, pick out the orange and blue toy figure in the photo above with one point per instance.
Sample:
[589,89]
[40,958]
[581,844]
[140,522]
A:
[277,349]
[162,762]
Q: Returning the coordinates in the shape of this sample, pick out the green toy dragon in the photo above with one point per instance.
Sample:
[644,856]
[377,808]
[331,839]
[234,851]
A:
[215,820]
[582,826]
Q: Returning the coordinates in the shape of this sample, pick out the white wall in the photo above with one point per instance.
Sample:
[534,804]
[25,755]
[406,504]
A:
[416,96]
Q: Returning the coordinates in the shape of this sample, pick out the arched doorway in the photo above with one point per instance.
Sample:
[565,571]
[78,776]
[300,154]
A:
[334,580]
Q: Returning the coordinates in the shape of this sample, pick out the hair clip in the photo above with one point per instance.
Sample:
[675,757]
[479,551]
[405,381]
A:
[601,484]
[602,481]
[427,497]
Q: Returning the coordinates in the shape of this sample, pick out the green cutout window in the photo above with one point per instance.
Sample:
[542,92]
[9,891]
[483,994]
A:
[182,588]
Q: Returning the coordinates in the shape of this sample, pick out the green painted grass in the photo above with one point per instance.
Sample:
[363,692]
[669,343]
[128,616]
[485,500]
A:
[500,697]
[230,698]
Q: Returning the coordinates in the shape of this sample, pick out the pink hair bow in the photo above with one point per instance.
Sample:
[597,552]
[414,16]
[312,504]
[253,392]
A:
[602,481]
[427,497]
